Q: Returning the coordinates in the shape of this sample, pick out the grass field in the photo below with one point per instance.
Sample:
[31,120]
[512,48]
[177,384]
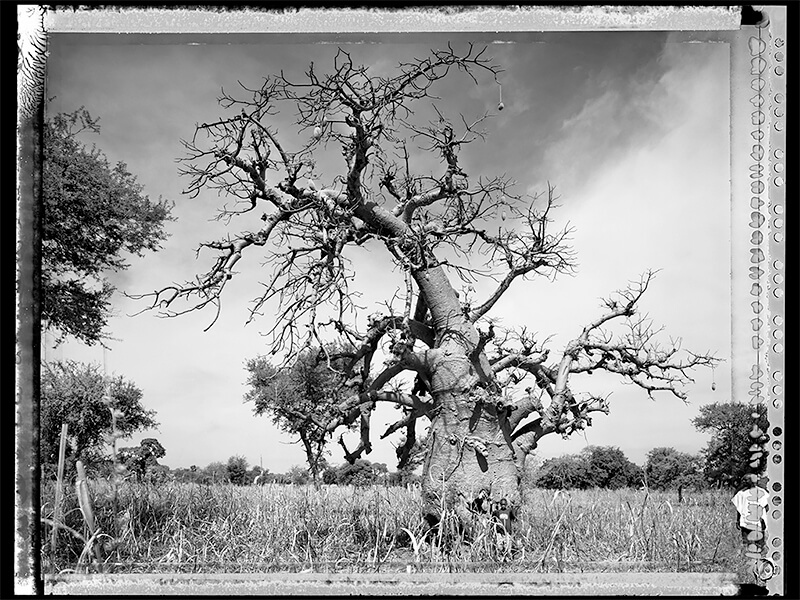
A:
[224,528]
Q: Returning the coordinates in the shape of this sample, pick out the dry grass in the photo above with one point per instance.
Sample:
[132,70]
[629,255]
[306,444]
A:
[223,528]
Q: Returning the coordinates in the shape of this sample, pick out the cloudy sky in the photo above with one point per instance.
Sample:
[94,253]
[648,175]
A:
[632,129]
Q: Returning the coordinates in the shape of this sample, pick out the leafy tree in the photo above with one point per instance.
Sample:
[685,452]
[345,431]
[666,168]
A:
[237,470]
[257,474]
[360,473]
[286,478]
[380,471]
[610,468]
[595,466]
[158,474]
[329,475]
[190,475]
[141,458]
[216,472]
[403,477]
[93,214]
[436,227]
[666,468]
[74,393]
[298,475]
[564,473]
[727,454]
[289,394]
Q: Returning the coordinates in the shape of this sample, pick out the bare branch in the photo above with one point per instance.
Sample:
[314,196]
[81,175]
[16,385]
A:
[636,356]
[431,226]
[532,251]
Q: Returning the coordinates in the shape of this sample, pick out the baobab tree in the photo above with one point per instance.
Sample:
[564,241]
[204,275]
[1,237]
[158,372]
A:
[437,227]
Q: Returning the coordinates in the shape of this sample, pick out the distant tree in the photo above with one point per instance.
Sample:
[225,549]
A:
[361,473]
[93,214]
[290,394]
[285,478]
[190,475]
[727,454]
[258,475]
[666,468]
[237,470]
[139,459]
[380,472]
[610,468]
[564,472]
[329,475]
[298,475]
[594,466]
[158,474]
[403,478]
[73,393]
[216,472]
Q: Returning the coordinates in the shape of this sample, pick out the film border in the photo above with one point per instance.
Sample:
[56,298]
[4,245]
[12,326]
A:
[763,44]
[774,289]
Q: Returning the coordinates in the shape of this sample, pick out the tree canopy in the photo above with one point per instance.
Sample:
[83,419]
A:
[142,458]
[290,394]
[668,468]
[94,213]
[594,466]
[74,393]
[237,470]
[727,455]
[360,473]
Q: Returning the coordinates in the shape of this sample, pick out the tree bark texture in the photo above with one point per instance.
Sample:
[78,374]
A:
[468,452]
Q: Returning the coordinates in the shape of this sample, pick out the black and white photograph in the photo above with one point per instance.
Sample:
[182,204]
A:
[425,312]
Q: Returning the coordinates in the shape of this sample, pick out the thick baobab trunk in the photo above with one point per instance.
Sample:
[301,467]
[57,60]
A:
[468,458]
[470,454]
